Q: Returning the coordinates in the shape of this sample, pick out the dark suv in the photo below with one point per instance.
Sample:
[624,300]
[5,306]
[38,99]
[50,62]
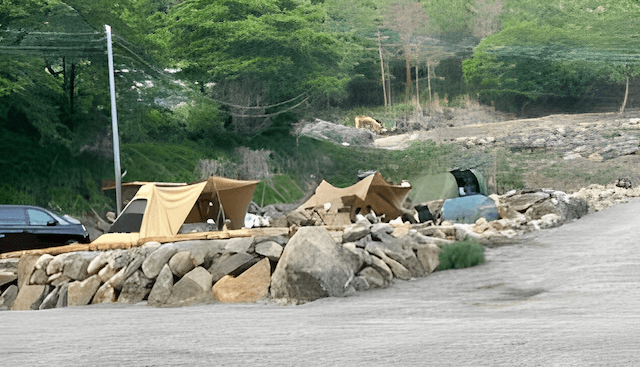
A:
[25,227]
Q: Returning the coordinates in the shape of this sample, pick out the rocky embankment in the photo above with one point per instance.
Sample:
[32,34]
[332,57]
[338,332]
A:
[311,263]
[601,137]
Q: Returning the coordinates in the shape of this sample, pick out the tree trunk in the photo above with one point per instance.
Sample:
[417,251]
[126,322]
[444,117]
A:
[408,68]
[72,87]
[384,88]
[626,94]
[429,80]
[417,89]
[389,86]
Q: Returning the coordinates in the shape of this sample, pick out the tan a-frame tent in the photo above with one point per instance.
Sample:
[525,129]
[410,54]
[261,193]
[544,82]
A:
[372,193]
[158,211]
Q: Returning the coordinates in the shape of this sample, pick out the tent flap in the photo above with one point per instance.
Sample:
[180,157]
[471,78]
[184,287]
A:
[372,193]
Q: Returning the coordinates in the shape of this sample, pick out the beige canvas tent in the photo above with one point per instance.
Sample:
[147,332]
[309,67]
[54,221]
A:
[158,211]
[130,189]
[372,193]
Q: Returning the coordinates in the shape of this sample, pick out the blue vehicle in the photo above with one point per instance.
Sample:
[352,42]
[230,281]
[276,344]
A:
[25,227]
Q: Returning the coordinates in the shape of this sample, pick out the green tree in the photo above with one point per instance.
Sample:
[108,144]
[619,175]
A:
[256,53]
[552,50]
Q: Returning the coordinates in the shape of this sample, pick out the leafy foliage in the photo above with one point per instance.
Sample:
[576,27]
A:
[554,51]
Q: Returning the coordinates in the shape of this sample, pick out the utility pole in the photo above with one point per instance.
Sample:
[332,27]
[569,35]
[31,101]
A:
[384,89]
[114,125]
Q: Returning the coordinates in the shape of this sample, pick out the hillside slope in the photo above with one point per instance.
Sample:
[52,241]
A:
[563,152]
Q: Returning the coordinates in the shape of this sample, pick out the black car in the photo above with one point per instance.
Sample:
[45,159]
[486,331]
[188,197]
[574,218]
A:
[25,227]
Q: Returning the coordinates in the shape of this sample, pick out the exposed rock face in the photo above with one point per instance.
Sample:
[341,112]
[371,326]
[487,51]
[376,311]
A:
[312,266]
[250,286]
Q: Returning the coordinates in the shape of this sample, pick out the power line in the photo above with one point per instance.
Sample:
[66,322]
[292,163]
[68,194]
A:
[259,107]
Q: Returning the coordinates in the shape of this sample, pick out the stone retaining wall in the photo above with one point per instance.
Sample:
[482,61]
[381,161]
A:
[313,263]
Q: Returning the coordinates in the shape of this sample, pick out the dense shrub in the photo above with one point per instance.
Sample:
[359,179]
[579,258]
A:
[461,254]
[11,195]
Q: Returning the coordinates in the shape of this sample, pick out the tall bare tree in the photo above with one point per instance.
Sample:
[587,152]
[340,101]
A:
[408,18]
[485,20]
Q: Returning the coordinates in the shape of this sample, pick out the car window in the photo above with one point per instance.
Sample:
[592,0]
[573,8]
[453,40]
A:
[130,220]
[13,216]
[38,217]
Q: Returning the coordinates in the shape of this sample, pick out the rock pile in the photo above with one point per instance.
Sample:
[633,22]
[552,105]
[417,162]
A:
[314,263]
[596,141]
[600,197]
[338,134]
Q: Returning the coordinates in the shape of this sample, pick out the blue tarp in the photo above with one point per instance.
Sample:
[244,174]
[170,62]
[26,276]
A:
[468,209]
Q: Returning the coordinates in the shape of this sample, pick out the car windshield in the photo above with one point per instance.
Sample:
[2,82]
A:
[61,220]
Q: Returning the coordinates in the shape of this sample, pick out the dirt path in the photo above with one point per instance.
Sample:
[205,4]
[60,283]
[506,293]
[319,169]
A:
[566,297]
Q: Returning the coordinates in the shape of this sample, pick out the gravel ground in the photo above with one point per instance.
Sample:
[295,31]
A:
[567,296]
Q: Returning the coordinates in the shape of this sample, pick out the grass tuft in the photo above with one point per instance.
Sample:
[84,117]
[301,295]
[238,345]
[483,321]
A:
[461,254]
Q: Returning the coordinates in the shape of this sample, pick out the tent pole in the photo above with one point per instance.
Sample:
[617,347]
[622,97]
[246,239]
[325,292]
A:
[114,124]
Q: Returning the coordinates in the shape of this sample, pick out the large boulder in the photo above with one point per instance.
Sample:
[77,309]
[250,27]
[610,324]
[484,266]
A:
[43,261]
[157,259]
[76,264]
[50,300]
[355,232]
[80,293]
[202,251]
[238,245]
[374,278]
[398,270]
[7,277]
[162,288]
[394,248]
[27,297]
[104,294]
[181,263]
[194,287]
[231,265]
[568,207]
[56,265]
[383,269]
[26,266]
[8,297]
[269,249]
[312,266]
[9,265]
[522,200]
[250,286]
[135,288]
